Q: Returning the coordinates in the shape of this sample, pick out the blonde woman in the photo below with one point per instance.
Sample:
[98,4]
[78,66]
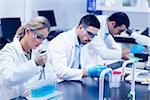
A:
[17,66]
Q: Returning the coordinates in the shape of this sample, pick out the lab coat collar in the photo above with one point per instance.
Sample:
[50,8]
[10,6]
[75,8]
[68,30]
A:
[76,41]
[18,45]
[106,30]
[76,38]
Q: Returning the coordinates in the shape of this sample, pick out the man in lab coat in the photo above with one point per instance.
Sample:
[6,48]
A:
[64,50]
[103,49]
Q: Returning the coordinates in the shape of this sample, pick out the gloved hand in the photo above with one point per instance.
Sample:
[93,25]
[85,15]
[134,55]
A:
[137,49]
[135,59]
[96,70]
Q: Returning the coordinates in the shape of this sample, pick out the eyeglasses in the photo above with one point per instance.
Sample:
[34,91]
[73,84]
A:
[38,35]
[92,35]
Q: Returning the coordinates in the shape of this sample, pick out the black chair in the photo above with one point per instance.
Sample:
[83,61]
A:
[9,27]
[53,34]
[2,42]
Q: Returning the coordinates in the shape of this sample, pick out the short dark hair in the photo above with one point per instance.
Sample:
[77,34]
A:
[90,20]
[120,18]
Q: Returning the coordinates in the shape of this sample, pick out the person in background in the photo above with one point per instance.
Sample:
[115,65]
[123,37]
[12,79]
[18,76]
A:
[64,50]
[17,66]
[103,49]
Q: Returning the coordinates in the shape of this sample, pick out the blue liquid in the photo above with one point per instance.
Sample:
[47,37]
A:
[42,91]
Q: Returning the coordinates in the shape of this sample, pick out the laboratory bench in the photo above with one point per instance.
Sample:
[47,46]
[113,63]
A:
[87,89]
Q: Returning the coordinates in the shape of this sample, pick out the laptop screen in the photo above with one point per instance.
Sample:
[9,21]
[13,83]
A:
[9,27]
[49,14]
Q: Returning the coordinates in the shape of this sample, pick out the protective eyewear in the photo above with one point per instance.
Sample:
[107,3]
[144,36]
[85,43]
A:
[38,35]
[92,35]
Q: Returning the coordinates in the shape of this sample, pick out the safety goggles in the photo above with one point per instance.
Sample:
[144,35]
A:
[38,35]
[92,35]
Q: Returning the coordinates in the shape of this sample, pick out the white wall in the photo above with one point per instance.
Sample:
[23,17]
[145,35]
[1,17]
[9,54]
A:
[67,12]
[12,8]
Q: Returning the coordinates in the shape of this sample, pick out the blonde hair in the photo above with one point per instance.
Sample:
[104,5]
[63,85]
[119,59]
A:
[35,23]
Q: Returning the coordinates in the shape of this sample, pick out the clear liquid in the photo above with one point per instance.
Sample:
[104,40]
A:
[42,91]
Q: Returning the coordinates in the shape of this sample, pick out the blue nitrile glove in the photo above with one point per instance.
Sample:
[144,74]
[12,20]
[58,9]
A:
[137,49]
[96,70]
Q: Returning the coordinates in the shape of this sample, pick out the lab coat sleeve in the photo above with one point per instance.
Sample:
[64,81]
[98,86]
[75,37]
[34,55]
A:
[59,55]
[105,51]
[88,57]
[12,74]
[111,43]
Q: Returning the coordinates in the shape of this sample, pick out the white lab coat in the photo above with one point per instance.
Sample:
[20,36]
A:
[62,51]
[15,70]
[102,49]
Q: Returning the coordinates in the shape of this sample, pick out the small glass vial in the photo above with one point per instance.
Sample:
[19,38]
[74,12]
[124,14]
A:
[116,79]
